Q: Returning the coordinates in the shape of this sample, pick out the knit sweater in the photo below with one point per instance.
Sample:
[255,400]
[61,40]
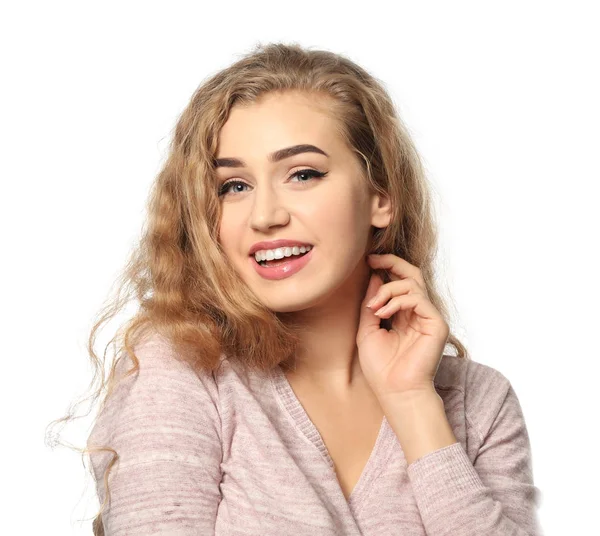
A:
[234,453]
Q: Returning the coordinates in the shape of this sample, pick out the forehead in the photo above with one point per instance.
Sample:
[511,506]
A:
[276,121]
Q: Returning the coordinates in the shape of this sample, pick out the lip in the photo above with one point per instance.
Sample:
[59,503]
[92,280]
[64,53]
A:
[273,244]
[283,270]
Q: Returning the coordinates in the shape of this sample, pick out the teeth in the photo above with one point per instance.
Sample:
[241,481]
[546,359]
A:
[280,253]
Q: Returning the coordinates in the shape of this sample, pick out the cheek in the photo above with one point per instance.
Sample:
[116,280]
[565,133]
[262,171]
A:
[343,225]
[229,232]
[338,215]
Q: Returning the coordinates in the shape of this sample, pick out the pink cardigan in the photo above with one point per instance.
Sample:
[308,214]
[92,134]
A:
[235,453]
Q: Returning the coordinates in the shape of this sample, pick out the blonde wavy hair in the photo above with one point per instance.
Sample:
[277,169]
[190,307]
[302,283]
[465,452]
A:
[177,274]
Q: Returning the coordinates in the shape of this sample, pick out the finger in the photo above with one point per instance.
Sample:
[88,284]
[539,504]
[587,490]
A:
[419,303]
[396,265]
[375,283]
[394,288]
[367,319]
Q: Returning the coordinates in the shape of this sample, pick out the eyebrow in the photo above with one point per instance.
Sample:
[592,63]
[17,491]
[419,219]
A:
[273,157]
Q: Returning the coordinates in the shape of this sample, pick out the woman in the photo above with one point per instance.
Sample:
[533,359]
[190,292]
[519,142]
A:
[285,372]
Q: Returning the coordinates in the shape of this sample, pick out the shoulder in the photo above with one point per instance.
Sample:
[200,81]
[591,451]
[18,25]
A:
[481,388]
[158,364]
[161,427]
[163,390]
[468,375]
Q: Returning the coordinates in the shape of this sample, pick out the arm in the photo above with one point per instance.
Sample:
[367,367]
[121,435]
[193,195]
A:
[495,495]
[165,426]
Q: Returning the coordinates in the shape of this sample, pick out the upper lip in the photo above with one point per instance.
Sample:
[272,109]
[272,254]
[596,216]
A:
[276,244]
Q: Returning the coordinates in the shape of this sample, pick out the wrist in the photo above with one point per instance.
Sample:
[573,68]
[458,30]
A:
[419,422]
[409,400]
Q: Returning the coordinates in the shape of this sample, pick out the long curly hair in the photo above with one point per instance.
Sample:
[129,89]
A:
[177,274]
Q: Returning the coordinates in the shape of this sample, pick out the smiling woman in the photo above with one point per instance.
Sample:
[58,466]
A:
[286,372]
[336,212]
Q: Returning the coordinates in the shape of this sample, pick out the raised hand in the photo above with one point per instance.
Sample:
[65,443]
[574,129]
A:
[404,360]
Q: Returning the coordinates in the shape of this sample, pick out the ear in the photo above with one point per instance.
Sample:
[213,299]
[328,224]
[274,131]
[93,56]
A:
[381,211]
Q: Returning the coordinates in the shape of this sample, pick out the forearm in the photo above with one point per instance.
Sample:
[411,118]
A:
[420,423]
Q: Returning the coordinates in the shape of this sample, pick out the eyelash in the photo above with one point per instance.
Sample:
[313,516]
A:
[313,173]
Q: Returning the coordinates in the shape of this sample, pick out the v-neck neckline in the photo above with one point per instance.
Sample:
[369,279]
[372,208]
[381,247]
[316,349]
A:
[375,463]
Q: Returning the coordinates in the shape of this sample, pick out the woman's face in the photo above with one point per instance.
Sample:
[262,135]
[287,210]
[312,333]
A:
[333,213]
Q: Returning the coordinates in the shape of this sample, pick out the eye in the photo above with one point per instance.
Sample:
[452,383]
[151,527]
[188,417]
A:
[226,185]
[311,173]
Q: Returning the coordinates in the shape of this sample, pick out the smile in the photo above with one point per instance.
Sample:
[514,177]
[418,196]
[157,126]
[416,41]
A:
[285,267]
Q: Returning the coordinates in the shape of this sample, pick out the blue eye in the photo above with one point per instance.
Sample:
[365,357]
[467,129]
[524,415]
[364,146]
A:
[311,173]
[224,189]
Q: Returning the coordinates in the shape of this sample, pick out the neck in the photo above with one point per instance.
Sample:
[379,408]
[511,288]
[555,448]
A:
[328,355]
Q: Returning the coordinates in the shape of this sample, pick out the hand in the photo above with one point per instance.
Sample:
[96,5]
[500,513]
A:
[404,360]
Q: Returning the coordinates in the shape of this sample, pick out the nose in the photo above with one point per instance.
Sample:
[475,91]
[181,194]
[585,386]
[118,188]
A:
[267,210]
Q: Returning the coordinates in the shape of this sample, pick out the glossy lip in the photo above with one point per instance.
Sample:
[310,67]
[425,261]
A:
[283,270]
[276,244]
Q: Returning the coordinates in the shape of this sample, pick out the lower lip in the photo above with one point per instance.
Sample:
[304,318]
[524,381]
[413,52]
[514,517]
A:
[283,270]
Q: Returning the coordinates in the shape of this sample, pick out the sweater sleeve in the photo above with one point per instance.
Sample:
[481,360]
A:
[495,495]
[165,426]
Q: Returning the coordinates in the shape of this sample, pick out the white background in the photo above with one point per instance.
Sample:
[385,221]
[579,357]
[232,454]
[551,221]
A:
[502,100]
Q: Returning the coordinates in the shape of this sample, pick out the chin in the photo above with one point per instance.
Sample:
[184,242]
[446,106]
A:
[288,307]
[298,299]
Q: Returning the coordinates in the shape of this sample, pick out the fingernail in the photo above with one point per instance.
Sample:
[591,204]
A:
[371,302]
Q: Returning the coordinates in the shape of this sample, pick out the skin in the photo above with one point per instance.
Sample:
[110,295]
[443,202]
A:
[334,214]
[344,351]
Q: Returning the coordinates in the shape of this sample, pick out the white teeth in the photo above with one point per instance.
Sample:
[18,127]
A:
[280,253]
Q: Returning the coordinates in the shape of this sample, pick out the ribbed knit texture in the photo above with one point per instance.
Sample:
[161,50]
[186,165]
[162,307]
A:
[235,453]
